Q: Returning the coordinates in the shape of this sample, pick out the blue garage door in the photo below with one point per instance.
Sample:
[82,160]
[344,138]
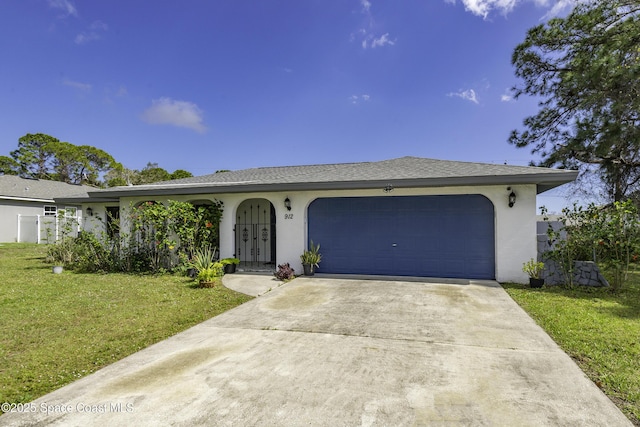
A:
[436,236]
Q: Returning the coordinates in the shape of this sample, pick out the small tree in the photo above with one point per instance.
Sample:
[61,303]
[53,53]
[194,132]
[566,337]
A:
[151,234]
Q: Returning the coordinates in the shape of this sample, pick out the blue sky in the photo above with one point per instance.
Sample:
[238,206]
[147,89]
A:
[207,85]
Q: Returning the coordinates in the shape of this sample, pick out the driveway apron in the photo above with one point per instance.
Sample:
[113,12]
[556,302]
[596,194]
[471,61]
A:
[343,352]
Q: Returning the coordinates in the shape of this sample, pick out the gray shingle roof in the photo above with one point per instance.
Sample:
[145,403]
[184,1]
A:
[12,186]
[400,172]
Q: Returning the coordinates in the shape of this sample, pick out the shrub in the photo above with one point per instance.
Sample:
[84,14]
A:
[173,232]
[161,237]
[203,258]
[608,235]
[61,252]
[285,272]
[210,274]
[93,255]
[195,226]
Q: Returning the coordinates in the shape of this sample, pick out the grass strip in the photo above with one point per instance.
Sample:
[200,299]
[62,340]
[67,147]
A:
[56,328]
[599,329]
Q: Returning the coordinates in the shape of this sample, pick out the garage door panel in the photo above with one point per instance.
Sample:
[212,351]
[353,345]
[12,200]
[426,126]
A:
[443,236]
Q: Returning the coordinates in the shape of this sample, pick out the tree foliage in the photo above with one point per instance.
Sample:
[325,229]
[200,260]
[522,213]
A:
[149,174]
[9,166]
[153,173]
[34,155]
[586,70]
[42,156]
[180,174]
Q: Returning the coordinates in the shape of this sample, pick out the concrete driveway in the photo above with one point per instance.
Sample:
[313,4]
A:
[343,352]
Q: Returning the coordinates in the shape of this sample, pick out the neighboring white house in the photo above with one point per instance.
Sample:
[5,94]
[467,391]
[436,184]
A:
[408,216]
[29,211]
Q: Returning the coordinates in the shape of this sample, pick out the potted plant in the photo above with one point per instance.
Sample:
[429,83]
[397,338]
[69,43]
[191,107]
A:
[310,259]
[202,258]
[208,276]
[230,264]
[534,269]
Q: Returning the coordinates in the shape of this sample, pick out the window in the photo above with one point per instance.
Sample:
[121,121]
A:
[70,212]
[50,210]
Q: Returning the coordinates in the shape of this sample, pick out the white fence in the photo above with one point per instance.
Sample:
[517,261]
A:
[46,229]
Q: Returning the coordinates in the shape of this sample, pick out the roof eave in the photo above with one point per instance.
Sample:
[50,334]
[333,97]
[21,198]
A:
[27,199]
[543,181]
[87,199]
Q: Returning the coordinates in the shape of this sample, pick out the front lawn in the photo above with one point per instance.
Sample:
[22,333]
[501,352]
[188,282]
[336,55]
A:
[599,329]
[56,328]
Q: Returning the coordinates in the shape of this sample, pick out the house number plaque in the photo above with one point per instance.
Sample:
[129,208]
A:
[288,216]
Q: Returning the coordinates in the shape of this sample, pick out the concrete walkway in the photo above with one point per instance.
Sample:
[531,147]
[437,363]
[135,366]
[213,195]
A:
[343,352]
[254,284]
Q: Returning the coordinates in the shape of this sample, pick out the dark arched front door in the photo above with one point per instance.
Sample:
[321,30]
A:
[255,231]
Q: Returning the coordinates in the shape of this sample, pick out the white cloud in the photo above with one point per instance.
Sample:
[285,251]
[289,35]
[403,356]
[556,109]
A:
[373,42]
[507,96]
[95,29]
[560,6]
[355,99]
[176,113]
[469,95]
[64,5]
[84,38]
[361,33]
[83,87]
[382,40]
[365,34]
[484,7]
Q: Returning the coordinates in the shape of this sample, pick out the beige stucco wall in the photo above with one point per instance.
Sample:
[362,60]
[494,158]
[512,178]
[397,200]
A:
[515,227]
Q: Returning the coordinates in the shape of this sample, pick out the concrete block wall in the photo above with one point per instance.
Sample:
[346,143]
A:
[585,273]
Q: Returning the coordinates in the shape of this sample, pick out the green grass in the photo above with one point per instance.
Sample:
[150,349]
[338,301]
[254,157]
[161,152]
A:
[56,328]
[599,329]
